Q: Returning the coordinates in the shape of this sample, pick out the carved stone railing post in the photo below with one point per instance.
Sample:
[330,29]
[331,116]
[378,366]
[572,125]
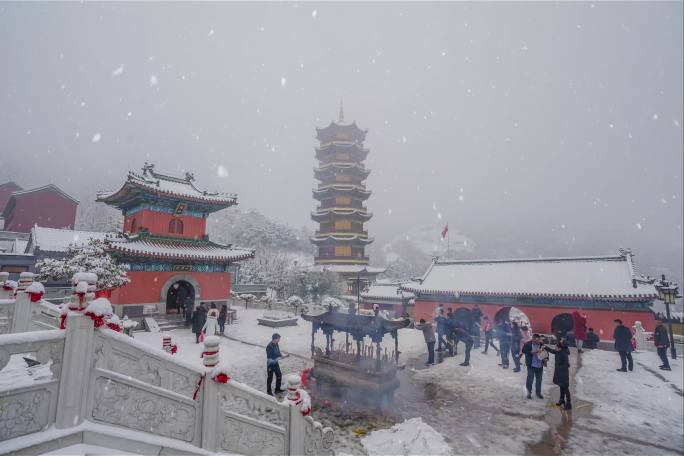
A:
[22,307]
[77,362]
[210,394]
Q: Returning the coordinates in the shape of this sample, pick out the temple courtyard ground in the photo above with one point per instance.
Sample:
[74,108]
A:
[451,409]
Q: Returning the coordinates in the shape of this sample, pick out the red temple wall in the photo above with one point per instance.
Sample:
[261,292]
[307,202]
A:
[158,224]
[45,208]
[540,317]
[145,287]
[6,190]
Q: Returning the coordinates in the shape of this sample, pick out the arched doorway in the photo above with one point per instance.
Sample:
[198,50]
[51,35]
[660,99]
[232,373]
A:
[180,294]
[512,314]
[561,325]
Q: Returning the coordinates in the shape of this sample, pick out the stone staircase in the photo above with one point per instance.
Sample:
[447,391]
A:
[167,322]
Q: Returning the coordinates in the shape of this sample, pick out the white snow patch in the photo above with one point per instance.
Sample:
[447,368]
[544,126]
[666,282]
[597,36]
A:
[412,437]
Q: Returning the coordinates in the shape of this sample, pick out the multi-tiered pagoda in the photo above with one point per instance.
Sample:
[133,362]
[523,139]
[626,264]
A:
[341,214]
[172,263]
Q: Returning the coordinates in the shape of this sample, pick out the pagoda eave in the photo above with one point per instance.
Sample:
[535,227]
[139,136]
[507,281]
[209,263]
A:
[339,237]
[335,213]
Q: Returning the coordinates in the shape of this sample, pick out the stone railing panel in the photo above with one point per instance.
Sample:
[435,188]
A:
[47,345]
[243,435]
[241,400]
[133,404]
[122,354]
[318,440]
[28,409]
[6,315]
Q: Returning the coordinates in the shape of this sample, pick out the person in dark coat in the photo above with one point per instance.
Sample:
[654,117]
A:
[561,372]
[272,367]
[429,336]
[451,324]
[662,341]
[463,335]
[592,339]
[199,318]
[516,337]
[223,314]
[623,345]
[535,365]
[476,317]
[503,331]
[442,328]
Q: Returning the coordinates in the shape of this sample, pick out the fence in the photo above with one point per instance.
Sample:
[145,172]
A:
[103,378]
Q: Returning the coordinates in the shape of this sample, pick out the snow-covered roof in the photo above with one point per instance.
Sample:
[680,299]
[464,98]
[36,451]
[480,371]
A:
[362,238]
[58,240]
[598,278]
[352,268]
[180,249]
[342,211]
[388,290]
[165,184]
[360,189]
[9,207]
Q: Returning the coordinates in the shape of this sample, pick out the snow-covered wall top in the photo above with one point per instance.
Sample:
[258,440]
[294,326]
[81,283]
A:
[58,240]
[592,277]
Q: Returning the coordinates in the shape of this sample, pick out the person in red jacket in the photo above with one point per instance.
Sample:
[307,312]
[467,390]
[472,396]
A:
[579,328]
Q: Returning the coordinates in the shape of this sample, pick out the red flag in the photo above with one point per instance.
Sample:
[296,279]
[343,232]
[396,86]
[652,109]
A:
[445,230]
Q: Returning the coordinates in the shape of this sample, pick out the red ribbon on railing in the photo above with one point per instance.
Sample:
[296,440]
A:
[114,326]
[197,387]
[221,378]
[174,349]
[62,321]
[208,353]
[98,319]
[35,297]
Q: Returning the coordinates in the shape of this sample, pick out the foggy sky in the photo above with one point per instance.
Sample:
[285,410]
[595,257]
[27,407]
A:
[540,121]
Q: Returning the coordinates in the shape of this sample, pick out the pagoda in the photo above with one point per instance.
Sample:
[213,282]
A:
[341,214]
[172,263]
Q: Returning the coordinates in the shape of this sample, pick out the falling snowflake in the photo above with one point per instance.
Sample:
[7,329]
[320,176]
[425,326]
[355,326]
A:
[314,13]
[439,215]
[389,211]
[655,116]
[222,171]
[118,71]
[97,137]
[460,197]
[675,122]
[153,80]
[403,139]
[283,81]
[638,225]
[211,32]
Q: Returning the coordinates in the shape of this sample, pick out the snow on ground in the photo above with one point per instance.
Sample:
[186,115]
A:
[483,408]
[646,405]
[17,372]
[412,437]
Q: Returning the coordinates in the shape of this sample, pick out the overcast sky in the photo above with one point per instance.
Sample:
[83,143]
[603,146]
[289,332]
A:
[506,119]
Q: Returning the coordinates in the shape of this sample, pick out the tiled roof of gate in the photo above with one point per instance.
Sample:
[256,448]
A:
[180,249]
[596,278]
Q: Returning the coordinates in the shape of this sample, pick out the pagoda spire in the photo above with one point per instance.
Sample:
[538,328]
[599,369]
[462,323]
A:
[341,119]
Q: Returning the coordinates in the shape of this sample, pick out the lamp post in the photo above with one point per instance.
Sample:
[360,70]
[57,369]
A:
[667,292]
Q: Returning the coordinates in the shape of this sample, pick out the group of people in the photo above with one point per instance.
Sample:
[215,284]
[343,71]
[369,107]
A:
[205,321]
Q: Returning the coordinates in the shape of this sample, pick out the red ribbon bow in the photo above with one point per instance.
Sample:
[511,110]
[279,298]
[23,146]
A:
[35,297]
[174,349]
[99,320]
[221,378]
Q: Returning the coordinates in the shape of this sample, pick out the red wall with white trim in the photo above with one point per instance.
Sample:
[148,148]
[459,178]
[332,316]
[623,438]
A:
[145,287]
[540,317]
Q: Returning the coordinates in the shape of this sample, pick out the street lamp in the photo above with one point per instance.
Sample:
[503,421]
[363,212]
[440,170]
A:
[667,292]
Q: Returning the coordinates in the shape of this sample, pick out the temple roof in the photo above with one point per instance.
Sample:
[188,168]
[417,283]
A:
[179,249]
[341,132]
[181,188]
[323,190]
[595,278]
[334,166]
[355,323]
[352,268]
[321,214]
[388,290]
[356,237]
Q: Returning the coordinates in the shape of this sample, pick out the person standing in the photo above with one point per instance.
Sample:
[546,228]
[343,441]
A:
[429,336]
[503,331]
[272,367]
[579,328]
[462,334]
[451,324]
[223,314]
[623,345]
[489,335]
[199,317]
[211,325]
[592,339]
[535,365]
[662,341]
[516,339]
[476,318]
[561,372]
[442,328]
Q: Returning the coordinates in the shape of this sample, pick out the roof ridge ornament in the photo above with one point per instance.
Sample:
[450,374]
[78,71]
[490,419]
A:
[341,119]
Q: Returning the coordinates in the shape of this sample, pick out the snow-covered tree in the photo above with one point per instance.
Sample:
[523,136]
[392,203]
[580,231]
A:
[295,301]
[91,257]
[247,297]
